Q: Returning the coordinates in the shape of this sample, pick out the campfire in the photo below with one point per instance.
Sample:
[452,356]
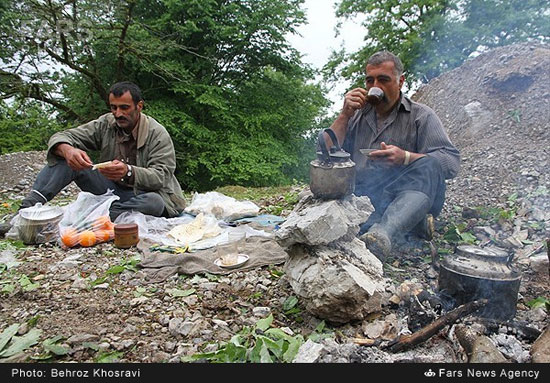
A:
[341,282]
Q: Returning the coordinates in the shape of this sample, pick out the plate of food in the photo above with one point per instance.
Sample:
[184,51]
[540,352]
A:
[231,261]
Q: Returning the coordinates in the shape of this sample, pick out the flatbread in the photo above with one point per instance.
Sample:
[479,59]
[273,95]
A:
[101,165]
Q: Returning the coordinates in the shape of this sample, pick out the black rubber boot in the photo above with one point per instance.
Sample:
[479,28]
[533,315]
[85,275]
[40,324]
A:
[401,215]
[375,217]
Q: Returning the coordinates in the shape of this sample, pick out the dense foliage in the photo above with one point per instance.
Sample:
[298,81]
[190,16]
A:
[434,36]
[218,74]
[25,126]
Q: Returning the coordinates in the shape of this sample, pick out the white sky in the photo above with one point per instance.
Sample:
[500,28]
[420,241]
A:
[318,39]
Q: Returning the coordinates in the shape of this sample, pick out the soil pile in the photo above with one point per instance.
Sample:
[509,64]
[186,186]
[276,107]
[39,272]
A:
[496,109]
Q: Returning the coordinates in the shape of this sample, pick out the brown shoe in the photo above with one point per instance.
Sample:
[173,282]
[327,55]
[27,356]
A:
[425,229]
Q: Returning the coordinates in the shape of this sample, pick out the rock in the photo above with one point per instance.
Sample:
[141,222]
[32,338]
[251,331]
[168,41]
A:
[125,344]
[538,314]
[479,348]
[338,284]
[80,283]
[129,329]
[314,222]
[178,326]
[81,338]
[138,301]
[261,312]
[23,329]
[540,351]
[511,348]
[385,329]
[539,264]
[309,352]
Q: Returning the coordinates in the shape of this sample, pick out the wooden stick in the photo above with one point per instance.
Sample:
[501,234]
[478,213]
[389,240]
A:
[548,253]
[366,341]
[404,342]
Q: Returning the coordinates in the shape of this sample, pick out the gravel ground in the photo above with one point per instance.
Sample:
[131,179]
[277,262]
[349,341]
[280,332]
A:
[497,111]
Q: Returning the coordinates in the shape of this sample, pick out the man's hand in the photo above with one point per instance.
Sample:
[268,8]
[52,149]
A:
[393,155]
[76,159]
[390,154]
[354,99]
[115,171]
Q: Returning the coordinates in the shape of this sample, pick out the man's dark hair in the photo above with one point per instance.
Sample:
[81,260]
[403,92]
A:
[383,56]
[120,88]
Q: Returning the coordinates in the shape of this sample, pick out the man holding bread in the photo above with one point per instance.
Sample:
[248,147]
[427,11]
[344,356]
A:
[136,160]
[405,176]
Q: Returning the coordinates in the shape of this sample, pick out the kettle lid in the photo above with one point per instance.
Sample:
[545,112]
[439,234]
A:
[335,153]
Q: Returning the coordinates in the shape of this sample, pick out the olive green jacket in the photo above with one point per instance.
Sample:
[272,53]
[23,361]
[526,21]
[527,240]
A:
[156,158]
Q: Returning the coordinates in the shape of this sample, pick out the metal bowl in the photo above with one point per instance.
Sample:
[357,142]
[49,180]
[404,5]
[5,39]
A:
[39,224]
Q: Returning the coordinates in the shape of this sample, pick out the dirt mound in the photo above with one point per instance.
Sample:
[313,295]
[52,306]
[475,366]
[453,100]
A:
[496,108]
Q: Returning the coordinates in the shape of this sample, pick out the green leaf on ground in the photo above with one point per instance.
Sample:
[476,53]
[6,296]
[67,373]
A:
[32,322]
[290,303]
[264,324]
[26,283]
[90,345]
[539,302]
[19,344]
[50,345]
[180,293]
[115,269]
[7,334]
[98,281]
[109,357]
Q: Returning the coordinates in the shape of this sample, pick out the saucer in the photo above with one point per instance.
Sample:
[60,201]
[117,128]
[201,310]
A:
[241,260]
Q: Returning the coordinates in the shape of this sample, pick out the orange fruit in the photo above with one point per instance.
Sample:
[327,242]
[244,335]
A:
[87,238]
[103,235]
[102,222]
[70,237]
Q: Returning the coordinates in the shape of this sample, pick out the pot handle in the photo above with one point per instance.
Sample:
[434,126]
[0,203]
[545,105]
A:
[322,143]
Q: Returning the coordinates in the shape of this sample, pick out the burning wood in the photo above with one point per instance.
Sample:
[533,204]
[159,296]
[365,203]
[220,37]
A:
[517,329]
[366,341]
[408,341]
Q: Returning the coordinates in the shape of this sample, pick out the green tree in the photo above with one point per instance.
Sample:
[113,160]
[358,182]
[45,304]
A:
[219,74]
[433,36]
[25,126]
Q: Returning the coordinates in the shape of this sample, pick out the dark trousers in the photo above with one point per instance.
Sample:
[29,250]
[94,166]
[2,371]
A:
[52,179]
[383,184]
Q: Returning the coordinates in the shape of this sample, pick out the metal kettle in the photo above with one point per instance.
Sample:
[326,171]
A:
[332,174]
[474,272]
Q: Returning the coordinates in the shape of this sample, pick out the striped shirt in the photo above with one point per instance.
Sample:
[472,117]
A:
[410,126]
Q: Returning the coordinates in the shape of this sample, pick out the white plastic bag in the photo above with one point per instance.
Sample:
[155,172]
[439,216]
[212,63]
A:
[221,206]
[86,221]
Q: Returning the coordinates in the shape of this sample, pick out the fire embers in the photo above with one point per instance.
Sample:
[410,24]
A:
[424,308]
